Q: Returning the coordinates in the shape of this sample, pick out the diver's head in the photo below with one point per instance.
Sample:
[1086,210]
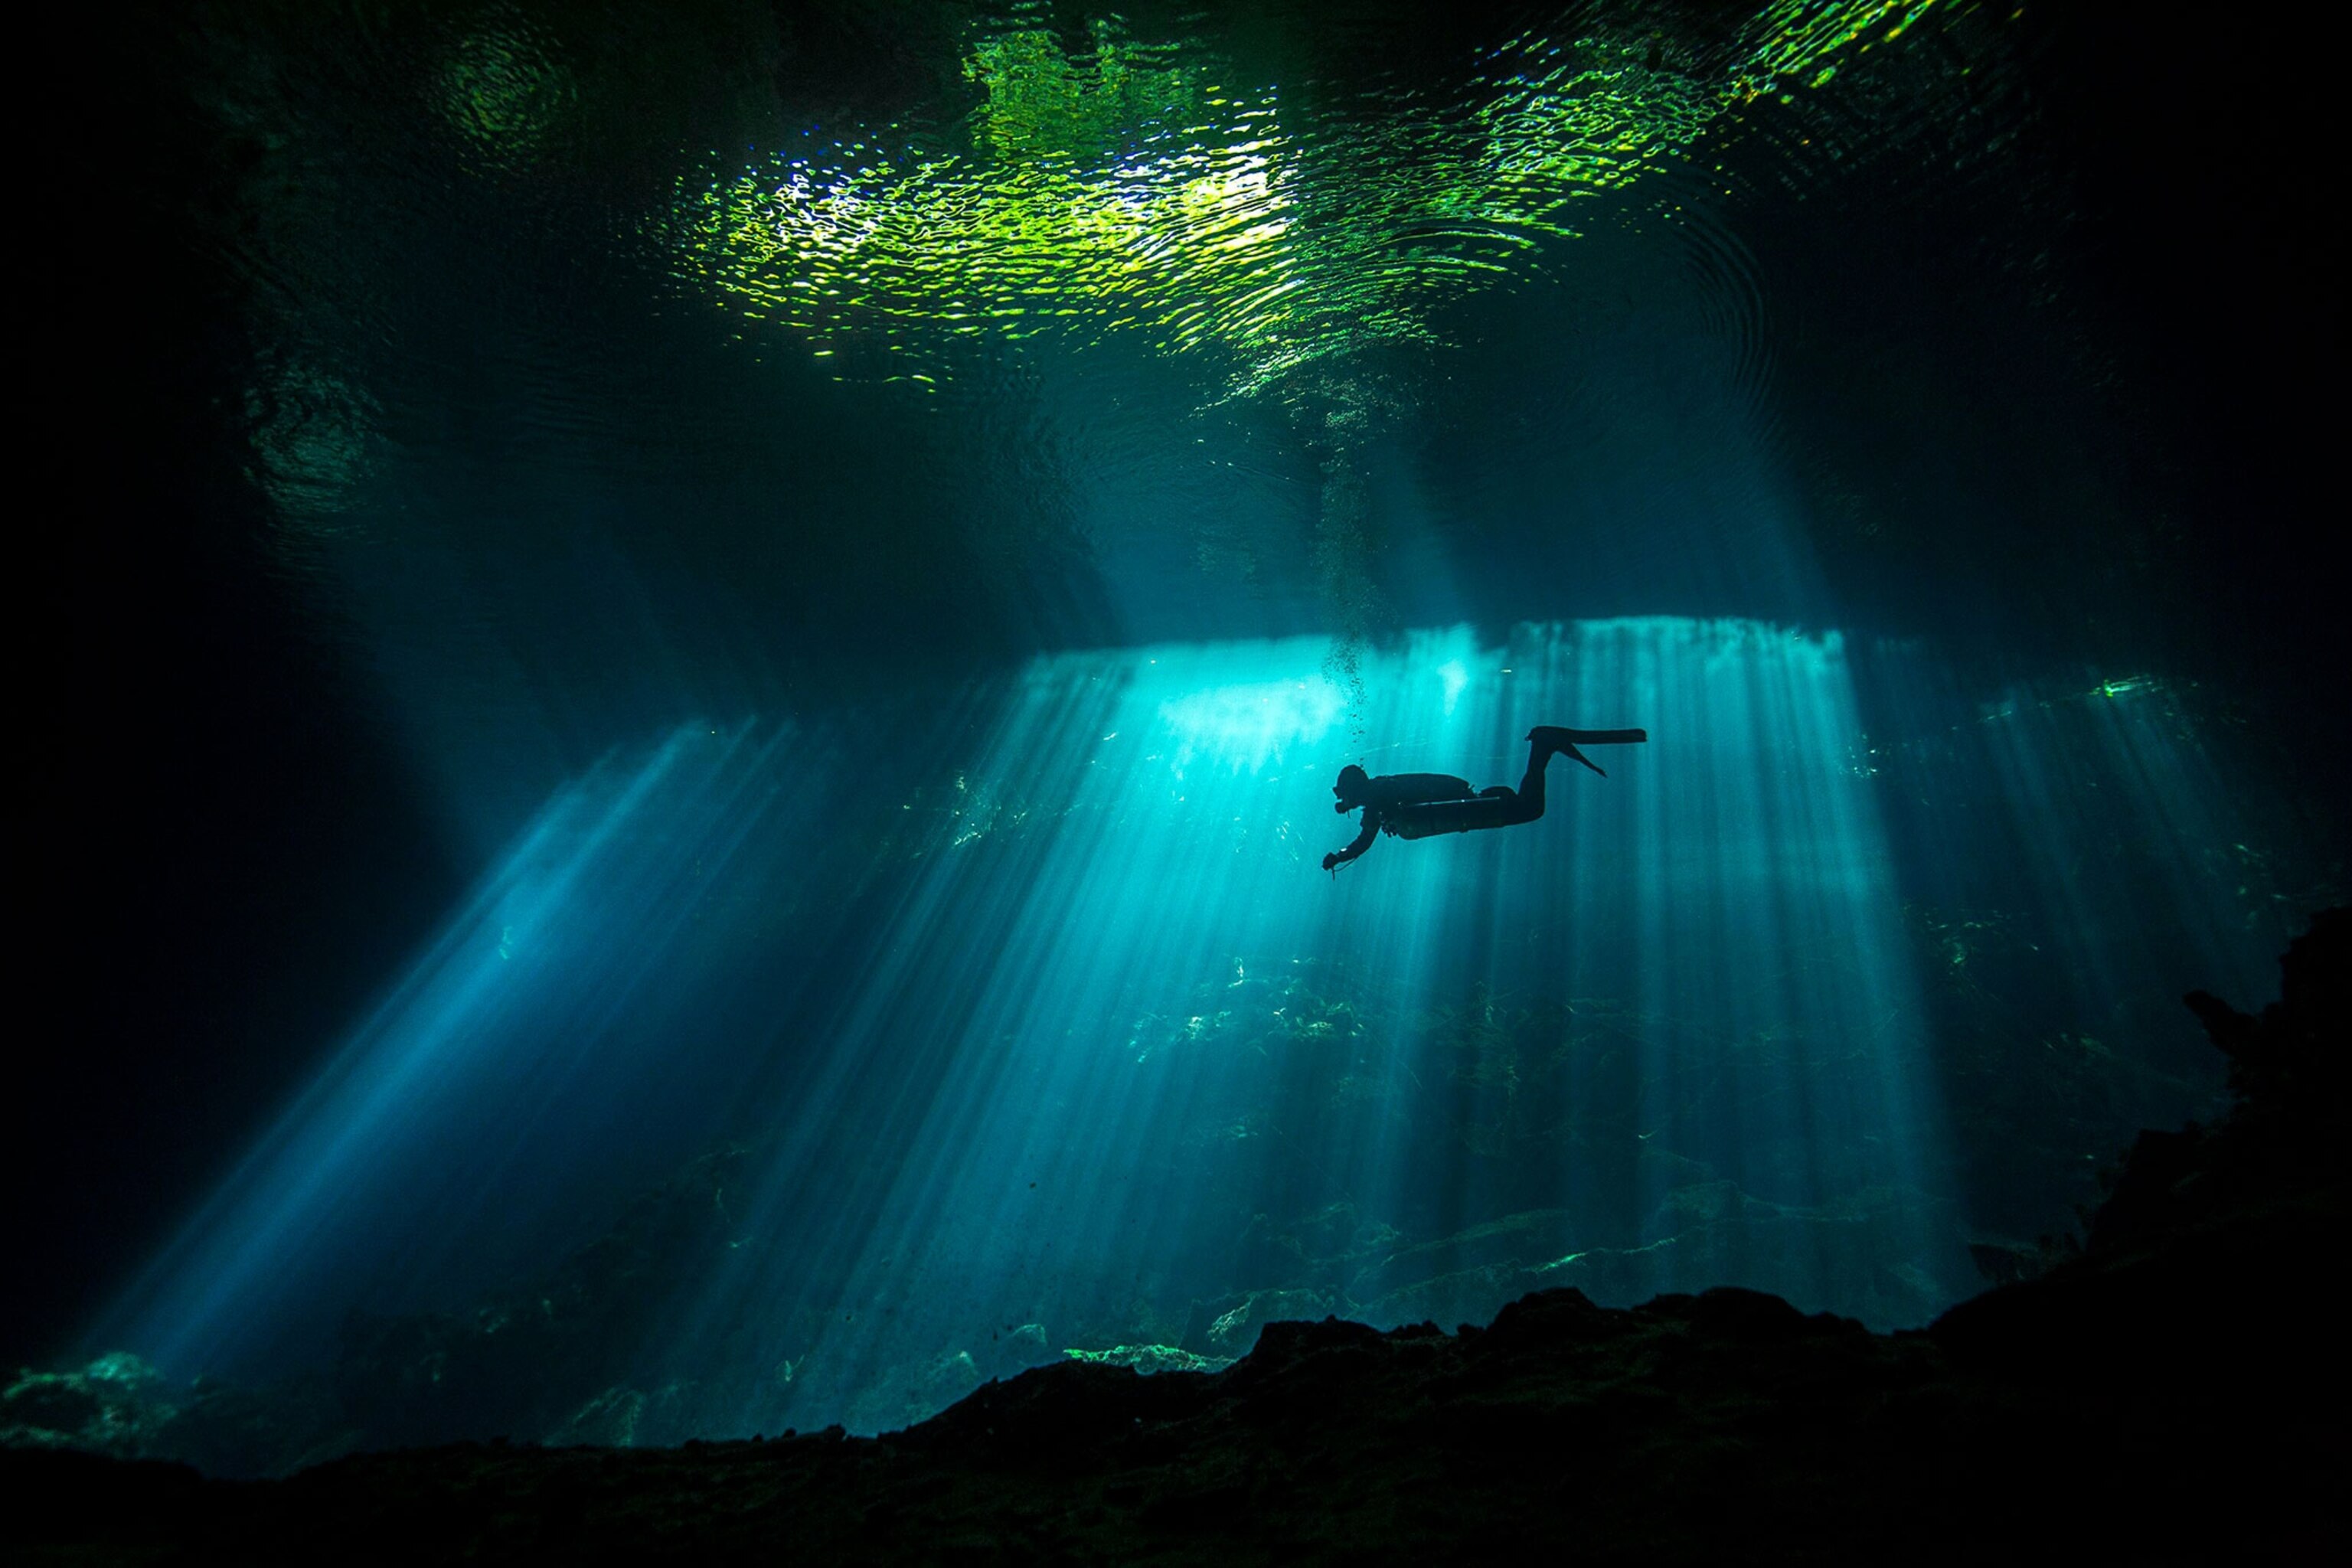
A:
[1353,781]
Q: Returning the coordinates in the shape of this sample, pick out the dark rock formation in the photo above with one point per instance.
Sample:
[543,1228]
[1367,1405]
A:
[2215,1245]
[1725,1425]
[2172,1393]
[119,1406]
[563,1352]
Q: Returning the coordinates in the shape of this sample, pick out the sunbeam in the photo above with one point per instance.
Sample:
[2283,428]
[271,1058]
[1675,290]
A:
[1118,1048]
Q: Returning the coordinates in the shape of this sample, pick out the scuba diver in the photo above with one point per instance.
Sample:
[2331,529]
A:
[1417,806]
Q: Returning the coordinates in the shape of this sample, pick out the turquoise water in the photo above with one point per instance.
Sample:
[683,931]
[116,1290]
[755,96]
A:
[848,545]
[1074,1019]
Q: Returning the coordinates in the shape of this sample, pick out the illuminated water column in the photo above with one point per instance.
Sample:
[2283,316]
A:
[1107,1027]
[1721,918]
[2132,827]
[2103,829]
[1135,826]
[1095,1094]
[526,1046]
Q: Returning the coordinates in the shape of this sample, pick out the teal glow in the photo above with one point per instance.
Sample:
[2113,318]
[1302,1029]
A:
[1113,1011]
[1723,904]
[1247,727]
[2117,819]
[507,1033]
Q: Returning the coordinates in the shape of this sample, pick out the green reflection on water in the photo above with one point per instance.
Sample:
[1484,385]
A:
[503,90]
[1132,188]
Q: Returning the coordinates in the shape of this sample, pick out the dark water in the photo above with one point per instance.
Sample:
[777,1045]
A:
[728,631]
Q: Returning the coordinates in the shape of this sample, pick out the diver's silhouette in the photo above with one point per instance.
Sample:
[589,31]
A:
[1418,806]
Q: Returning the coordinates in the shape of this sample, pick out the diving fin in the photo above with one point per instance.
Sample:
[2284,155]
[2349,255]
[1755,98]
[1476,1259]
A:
[1563,742]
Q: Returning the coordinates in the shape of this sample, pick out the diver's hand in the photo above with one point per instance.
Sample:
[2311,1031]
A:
[1329,861]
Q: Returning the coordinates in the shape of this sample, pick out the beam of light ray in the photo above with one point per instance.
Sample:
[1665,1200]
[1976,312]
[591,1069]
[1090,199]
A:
[519,1033]
[2098,819]
[1100,1044]
[1170,1025]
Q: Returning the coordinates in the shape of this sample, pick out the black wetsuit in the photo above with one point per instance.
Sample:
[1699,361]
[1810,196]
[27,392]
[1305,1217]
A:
[1420,806]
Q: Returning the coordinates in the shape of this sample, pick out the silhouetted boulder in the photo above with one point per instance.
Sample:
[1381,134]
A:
[2219,1241]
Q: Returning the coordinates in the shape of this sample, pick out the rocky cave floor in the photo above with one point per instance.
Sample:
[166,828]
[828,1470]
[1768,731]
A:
[2177,1391]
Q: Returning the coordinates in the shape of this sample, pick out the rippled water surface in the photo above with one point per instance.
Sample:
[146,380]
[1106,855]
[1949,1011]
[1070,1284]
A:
[1140,322]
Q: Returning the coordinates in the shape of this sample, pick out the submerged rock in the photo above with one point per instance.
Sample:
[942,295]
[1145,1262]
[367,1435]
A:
[1234,1322]
[609,1420]
[1149,1359]
[120,1406]
[1701,1234]
[552,1357]
[910,1393]
[1721,1427]
[1014,1349]
[117,1405]
[2214,1244]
